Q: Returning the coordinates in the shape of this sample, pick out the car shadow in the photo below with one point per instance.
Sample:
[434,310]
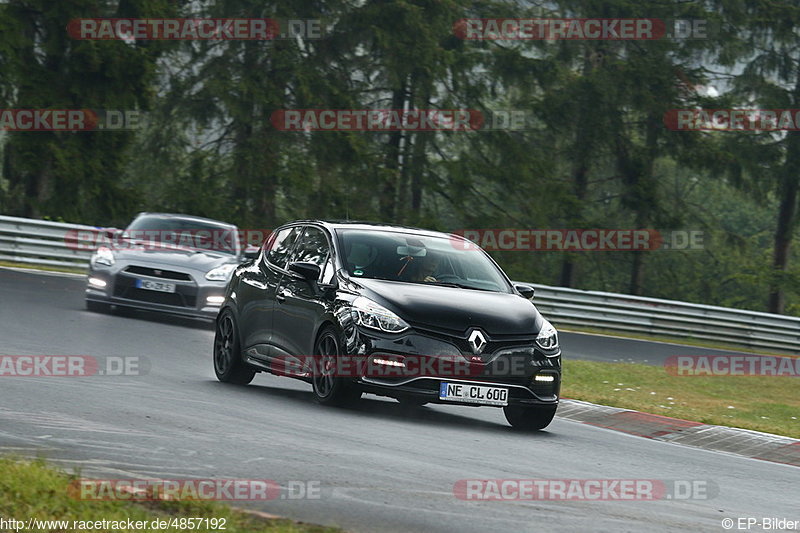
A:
[162,318]
[371,406]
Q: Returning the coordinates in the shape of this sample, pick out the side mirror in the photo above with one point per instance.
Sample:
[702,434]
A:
[251,252]
[307,271]
[525,291]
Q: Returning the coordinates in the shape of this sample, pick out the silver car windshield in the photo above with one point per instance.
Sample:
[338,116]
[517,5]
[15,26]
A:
[411,258]
[183,233]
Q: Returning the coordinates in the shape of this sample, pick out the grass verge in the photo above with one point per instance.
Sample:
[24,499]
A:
[761,403]
[33,489]
[48,268]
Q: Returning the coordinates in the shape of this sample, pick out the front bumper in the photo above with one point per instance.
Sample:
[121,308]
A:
[189,299]
[511,362]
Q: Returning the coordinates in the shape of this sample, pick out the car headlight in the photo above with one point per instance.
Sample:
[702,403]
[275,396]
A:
[371,315]
[103,256]
[220,273]
[547,339]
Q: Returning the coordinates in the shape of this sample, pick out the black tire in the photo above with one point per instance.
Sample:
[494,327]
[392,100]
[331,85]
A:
[328,388]
[97,307]
[524,418]
[228,364]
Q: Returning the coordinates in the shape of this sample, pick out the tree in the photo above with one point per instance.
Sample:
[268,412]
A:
[769,63]
[71,174]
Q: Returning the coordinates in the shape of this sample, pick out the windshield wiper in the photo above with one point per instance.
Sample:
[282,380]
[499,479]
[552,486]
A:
[456,285]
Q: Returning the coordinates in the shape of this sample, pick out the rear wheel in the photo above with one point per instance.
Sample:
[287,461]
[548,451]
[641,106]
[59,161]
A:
[525,418]
[228,364]
[330,389]
[97,307]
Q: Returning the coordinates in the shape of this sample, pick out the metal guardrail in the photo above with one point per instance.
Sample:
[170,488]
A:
[41,242]
[636,314]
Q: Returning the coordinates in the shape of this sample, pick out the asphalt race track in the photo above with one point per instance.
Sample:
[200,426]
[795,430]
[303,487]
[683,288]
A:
[380,467]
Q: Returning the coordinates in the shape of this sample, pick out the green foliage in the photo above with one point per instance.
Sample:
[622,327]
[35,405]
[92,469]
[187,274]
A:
[70,174]
[594,152]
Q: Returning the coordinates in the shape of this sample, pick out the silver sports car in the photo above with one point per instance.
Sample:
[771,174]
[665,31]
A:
[177,264]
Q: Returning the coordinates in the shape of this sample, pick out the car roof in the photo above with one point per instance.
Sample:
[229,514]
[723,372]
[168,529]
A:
[374,226]
[186,217]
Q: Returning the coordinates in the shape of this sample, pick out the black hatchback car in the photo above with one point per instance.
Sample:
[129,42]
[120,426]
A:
[417,315]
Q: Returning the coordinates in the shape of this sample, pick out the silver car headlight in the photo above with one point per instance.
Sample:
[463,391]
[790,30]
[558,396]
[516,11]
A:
[103,256]
[220,273]
[547,339]
[370,314]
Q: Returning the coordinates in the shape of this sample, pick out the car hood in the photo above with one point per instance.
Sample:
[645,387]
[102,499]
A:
[456,309]
[177,257]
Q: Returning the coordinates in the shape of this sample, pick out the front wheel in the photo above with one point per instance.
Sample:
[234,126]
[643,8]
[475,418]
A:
[330,389]
[529,418]
[228,364]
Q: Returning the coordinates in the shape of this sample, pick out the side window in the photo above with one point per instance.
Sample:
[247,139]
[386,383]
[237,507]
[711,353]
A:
[278,253]
[268,242]
[314,248]
[328,272]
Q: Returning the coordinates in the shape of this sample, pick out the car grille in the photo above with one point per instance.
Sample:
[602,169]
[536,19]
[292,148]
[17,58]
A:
[497,344]
[512,366]
[184,295]
[158,273]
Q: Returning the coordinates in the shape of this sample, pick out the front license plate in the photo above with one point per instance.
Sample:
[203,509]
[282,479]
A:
[159,286]
[480,394]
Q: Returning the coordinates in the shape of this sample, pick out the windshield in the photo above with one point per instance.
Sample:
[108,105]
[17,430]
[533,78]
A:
[183,233]
[411,258]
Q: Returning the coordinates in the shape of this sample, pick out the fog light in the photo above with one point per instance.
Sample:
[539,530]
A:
[97,282]
[215,300]
[388,362]
[544,378]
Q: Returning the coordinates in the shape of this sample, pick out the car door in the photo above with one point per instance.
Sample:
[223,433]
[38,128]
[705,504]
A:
[257,290]
[300,305]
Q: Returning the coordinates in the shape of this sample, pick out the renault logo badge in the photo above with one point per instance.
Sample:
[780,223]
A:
[477,341]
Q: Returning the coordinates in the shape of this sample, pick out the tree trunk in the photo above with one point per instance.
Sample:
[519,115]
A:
[783,240]
[580,174]
[388,197]
[581,186]
[787,215]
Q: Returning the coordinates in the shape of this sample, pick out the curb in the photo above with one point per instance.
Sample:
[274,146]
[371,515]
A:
[736,441]
[44,272]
